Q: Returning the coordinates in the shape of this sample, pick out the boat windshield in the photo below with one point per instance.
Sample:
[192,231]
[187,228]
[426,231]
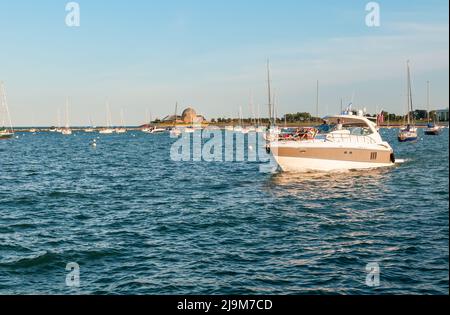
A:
[357,129]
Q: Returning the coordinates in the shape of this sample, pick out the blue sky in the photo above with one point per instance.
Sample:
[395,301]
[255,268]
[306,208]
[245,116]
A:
[211,54]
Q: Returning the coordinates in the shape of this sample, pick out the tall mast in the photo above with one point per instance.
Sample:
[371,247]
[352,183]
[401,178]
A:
[269,92]
[122,120]
[67,113]
[428,101]
[108,115]
[176,111]
[317,100]
[274,116]
[5,105]
[408,92]
[252,110]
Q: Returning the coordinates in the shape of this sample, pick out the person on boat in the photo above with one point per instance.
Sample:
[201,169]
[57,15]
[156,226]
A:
[324,127]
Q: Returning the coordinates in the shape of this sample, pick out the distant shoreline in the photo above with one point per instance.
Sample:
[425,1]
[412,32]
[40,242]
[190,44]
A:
[220,125]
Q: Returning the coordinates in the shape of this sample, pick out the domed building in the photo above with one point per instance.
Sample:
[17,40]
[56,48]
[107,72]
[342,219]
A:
[189,115]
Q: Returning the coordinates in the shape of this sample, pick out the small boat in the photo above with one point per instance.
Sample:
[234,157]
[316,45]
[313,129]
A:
[107,130]
[157,130]
[6,132]
[432,128]
[67,131]
[237,129]
[122,123]
[91,128]
[189,130]
[408,133]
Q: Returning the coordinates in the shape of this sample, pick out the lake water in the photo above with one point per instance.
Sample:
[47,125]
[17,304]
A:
[138,223]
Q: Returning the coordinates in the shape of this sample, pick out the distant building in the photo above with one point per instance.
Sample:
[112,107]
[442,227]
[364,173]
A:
[188,116]
[442,114]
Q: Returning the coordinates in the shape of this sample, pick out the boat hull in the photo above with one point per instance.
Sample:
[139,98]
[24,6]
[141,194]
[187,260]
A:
[433,131]
[5,136]
[328,158]
[407,139]
[297,164]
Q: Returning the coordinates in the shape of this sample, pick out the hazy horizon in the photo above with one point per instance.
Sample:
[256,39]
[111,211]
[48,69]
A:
[211,55]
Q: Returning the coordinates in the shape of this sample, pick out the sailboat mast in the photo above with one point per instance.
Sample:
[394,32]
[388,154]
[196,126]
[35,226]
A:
[67,113]
[175,117]
[408,92]
[5,105]
[122,120]
[428,101]
[317,100]
[269,93]
[108,122]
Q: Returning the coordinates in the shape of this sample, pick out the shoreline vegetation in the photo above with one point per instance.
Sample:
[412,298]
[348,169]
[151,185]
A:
[396,124]
[291,120]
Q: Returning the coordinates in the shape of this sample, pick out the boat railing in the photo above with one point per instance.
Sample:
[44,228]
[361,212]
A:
[349,138]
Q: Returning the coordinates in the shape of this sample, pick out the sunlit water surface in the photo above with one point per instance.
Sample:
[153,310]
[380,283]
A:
[138,223]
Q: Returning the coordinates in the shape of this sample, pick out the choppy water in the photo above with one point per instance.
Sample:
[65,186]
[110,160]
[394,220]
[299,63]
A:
[138,223]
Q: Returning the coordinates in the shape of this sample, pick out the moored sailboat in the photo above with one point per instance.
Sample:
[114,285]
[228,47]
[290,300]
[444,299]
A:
[408,133]
[122,128]
[107,130]
[432,128]
[66,130]
[6,129]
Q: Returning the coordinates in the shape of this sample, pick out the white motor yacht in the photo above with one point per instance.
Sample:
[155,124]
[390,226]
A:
[348,142]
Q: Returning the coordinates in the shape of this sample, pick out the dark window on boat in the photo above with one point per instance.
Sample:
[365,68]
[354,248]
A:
[373,155]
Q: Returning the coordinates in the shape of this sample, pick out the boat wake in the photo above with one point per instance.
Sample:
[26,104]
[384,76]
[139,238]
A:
[401,161]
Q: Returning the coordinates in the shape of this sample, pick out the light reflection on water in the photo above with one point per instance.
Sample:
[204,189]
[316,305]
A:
[139,223]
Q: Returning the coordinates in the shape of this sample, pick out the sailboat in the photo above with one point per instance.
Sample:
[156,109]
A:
[259,127]
[121,129]
[6,129]
[90,128]
[175,132]
[432,128]
[67,131]
[107,130]
[33,130]
[408,133]
[59,129]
